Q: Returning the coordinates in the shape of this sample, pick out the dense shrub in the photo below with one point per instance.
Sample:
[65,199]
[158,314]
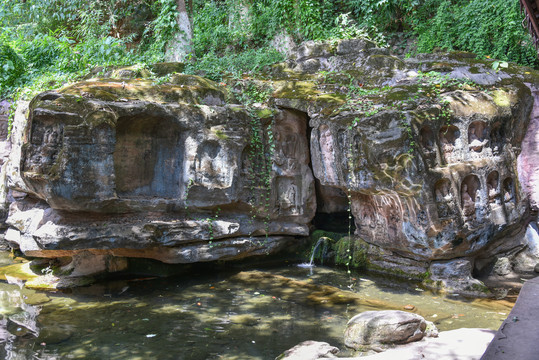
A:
[233,64]
[485,27]
[11,67]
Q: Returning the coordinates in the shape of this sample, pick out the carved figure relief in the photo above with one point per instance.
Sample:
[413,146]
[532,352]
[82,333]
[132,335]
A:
[290,199]
[327,152]
[46,143]
[492,187]
[477,136]
[288,149]
[468,204]
[496,139]
[352,161]
[347,149]
[508,190]
[445,202]
[448,136]
[213,168]
[470,196]
[427,141]
[368,217]
[393,215]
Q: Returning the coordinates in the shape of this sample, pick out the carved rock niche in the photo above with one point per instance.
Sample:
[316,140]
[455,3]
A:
[448,137]
[469,190]
[445,201]
[426,137]
[496,138]
[508,190]
[493,191]
[46,141]
[147,157]
[477,136]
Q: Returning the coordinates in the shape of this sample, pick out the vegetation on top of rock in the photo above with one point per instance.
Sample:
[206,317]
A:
[63,40]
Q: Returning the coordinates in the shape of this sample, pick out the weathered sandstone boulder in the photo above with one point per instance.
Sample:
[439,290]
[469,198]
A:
[422,150]
[170,172]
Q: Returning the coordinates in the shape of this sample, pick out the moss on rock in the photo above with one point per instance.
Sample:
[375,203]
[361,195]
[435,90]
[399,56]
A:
[351,252]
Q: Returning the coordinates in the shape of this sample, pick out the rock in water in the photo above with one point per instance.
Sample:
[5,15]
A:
[309,350]
[383,327]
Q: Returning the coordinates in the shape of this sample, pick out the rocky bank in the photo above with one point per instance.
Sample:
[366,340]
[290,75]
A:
[422,153]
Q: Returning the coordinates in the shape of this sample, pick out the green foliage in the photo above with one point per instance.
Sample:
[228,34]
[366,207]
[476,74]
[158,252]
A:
[486,27]
[60,40]
[230,24]
[250,92]
[11,66]
[45,50]
[387,14]
[161,30]
[347,28]
[216,67]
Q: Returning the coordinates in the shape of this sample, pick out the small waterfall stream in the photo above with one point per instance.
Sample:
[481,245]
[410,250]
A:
[310,264]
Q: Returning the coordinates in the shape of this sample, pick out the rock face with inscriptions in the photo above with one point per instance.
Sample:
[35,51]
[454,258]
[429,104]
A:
[177,173]
[421,151]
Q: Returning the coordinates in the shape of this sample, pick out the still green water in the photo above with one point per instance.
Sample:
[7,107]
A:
[209,316]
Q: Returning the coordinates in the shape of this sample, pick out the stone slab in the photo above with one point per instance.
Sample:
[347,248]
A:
[518,336]
[460,344]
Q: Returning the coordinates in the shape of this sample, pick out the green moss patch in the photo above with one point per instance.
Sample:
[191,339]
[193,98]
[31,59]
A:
[351,252]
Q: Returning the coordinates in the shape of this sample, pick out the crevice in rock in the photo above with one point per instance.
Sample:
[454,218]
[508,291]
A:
[331,202]
[335,222]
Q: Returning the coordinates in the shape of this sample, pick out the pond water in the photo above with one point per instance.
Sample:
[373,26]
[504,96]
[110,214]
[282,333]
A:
[253,314]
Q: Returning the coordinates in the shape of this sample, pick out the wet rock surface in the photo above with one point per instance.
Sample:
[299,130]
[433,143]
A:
[455,276]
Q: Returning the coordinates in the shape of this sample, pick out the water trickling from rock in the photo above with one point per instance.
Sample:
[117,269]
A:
[311,261]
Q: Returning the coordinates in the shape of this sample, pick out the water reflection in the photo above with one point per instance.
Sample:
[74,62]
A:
[209,316]
[18,323]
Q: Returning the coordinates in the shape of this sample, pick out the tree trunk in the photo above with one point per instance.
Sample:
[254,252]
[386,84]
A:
[181,45]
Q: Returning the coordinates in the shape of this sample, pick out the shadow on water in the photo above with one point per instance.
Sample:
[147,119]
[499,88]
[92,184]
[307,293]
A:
[219,315]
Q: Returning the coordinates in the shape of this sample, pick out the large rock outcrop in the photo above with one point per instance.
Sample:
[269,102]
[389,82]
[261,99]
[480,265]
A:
[421,151]
[170,172]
